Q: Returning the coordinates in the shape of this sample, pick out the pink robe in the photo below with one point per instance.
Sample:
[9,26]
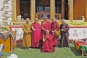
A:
[55,26]
[36,35]
[46,26]
[48,44]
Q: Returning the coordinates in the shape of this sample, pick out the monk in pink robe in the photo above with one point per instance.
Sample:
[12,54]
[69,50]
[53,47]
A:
[54,28]
[36,33]
[47,43]
[45,26]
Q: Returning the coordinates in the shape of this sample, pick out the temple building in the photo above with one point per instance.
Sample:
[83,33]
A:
[14,12]
[60,9]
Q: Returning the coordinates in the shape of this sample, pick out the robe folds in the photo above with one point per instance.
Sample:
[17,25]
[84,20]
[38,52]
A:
[36,34]
[48,44]
[45,26]
[54,26]
[64,41]
[26,35]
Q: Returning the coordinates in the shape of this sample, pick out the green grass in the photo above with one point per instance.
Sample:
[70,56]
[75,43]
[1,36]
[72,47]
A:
[36,53]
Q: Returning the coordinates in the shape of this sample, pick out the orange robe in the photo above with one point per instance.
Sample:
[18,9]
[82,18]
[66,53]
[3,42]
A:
[26,36]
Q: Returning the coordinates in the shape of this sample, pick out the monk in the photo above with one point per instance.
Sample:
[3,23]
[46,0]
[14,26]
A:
[54,28]
[47,43]
[27,34]
[64,41]
[45,26]
[36,34]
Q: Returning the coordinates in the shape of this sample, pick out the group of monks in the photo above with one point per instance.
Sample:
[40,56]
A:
[44,35]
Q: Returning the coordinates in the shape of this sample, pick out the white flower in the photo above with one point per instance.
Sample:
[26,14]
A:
[13,56]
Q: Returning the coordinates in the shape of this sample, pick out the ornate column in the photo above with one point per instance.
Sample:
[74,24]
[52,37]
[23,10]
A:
[52,9]
[70,10]
[17,7]
[63,8]
[13,10]
[86,12]
[32,9]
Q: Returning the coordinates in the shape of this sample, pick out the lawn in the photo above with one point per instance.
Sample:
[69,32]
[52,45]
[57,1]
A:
[36,53]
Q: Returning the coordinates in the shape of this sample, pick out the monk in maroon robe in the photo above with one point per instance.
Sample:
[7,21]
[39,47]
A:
[47,43]
[64,34]
[45,26]
[36,33]
[54,28]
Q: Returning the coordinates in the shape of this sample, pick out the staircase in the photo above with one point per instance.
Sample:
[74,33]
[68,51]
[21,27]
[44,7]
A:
[79,9]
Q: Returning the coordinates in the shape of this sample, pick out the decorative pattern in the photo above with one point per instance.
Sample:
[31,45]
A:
[5,36]
[1,4]
[19,33]
[74,33]
[5,10]
[80,44]
[77,33]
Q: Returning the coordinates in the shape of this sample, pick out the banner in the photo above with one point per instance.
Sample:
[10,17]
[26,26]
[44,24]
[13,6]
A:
[78,33]
[74,32]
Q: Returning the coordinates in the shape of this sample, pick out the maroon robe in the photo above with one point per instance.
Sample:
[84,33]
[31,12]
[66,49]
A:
[36,35]
[48,44]
[54,26]
[64,35]
[47,26]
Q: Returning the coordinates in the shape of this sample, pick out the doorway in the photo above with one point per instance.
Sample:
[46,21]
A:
[25,8]
[43,8]
[58,8]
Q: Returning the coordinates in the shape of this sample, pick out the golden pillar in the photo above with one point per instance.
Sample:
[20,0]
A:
[32,9]
[63,8]
[86,12]
[13,10]
[52,9]
[60,16]
[17,7]
[70,10]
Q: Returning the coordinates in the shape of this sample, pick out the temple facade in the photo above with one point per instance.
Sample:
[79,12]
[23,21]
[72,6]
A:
[60,9]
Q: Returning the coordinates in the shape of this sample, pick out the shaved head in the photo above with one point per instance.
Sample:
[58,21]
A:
[45,18]
[53,19]
[63,20]
[36,20]
[27,20]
